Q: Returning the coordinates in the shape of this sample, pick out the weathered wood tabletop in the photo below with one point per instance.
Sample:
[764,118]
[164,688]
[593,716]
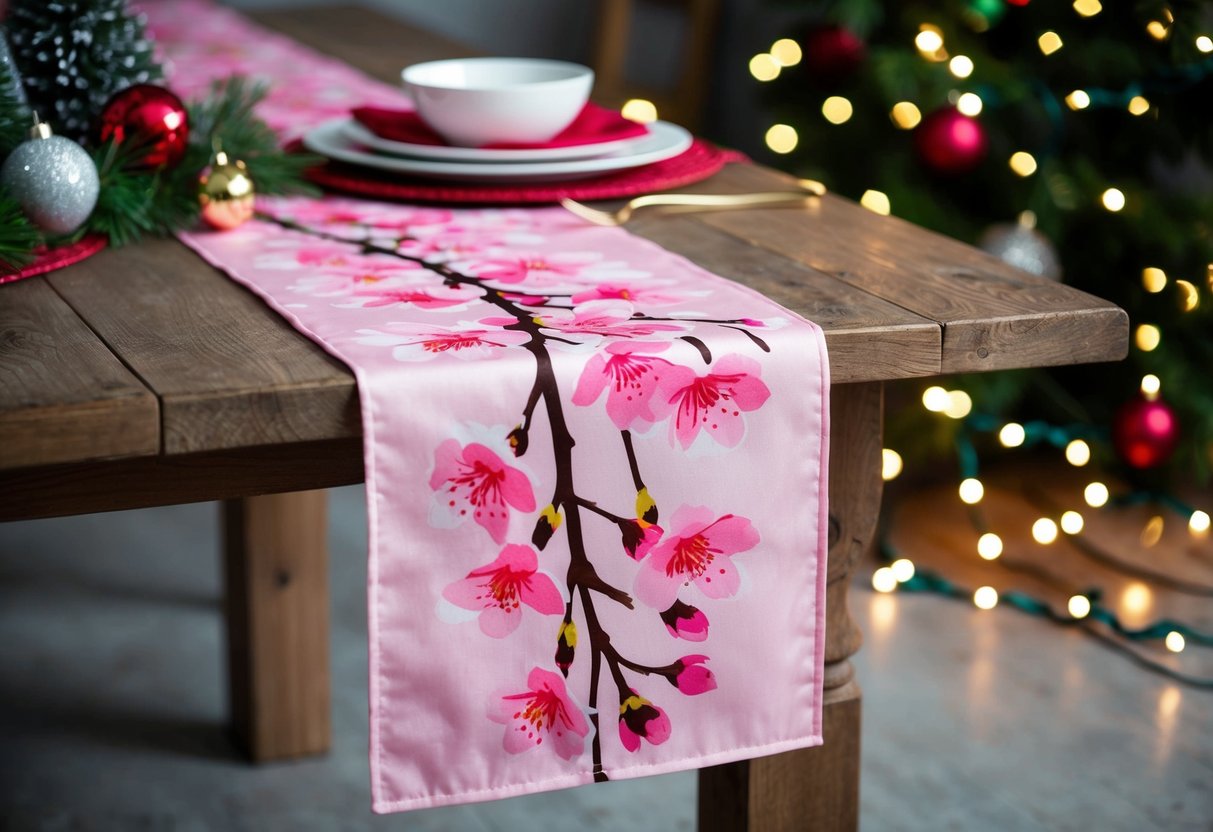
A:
[143,376]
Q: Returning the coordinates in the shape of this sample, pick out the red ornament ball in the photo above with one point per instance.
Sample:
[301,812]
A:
[1145,432]
[151,120]
[949,142]
[832,53]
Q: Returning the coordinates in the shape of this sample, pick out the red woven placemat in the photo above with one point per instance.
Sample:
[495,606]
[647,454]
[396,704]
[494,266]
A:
[699,161]
[47,260]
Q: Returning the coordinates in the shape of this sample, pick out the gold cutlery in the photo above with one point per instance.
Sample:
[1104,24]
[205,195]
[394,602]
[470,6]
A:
[811,190]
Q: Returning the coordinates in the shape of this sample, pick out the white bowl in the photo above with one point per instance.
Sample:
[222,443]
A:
[472,102]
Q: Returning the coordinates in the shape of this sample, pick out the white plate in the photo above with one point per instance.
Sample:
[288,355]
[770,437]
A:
[445,153]
[664,141]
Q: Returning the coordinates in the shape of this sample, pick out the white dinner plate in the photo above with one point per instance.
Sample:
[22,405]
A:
[445,153]
[664,141]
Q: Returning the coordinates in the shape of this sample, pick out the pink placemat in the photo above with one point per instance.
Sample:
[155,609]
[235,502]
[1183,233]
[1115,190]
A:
[47,260]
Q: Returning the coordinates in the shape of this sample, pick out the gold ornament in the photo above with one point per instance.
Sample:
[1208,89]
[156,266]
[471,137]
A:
[225,191]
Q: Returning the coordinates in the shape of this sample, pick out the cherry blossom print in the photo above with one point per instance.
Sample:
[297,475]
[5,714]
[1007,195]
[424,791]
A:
[498,591]
[532,267]
[425,342]
[713,402]
[472,482]
[631,375]
[641,719]
[639,538]
[699,551]
[692,678]
[639,294]
[599,319]
[686,622]
[422,294]
[544,711]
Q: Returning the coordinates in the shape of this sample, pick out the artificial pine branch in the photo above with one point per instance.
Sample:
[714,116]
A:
[18,236]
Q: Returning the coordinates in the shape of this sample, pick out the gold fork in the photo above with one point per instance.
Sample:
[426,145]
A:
[811,189]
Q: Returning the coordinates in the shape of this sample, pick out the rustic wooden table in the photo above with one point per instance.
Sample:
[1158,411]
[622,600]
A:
[145,377]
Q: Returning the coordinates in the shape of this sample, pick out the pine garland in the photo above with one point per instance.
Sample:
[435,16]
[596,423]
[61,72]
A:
[18,236]
[74,54]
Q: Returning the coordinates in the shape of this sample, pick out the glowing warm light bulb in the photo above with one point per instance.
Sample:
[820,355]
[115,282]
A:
[961,66]
[1113,199]
[1071,522]
[1153,280]
[1012,435]
[639,109]
[971,491]
[1023,163]
[876,201]
[1189,297]
[890,464]
[1150,386]
[989,546]
[929,39]
[1049,42]
[936,399]
[1078,100]
[969,104]
[985,598]
[883,580]
[1158,30]
[905,115]
[1096,494]
[1204,43]
[1044,531]
[1147,337]
[1137,598]
[1198,522]
[1079,606]
[960,404]
[1078,453]
[786,52]
[1175,642]
[764,67]
[837,110]
[903,569]
[782,138]
[1139,105]
[1088,8]
[1151,533]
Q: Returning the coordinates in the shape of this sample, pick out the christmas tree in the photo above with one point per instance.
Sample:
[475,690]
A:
[1071,140]
[74,54]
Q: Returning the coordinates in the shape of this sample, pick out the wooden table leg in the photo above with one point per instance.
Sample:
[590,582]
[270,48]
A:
[277,607]
[818,788]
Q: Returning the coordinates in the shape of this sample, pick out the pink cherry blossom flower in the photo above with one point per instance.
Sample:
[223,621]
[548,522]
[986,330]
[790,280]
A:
[642,295]
[424,342]
[686,622]
[472,481]
[598,319]
[544,711]
[533,267]
[698,552]
[641,719]
[713,402]
[424,295]
[692,677]
[630,377]
[498,591]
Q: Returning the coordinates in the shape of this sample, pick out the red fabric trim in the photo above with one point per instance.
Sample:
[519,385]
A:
[699,161]
[47,260]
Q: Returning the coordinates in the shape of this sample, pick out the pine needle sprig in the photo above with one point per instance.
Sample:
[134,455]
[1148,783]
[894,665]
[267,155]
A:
[18,236]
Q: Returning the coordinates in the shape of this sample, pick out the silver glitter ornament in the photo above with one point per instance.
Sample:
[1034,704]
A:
[53,179]
[1022,246]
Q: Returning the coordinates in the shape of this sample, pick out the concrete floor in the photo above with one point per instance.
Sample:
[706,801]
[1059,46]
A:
[112,709]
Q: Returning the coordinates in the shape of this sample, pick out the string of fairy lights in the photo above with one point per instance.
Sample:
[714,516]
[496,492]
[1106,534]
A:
[901,573]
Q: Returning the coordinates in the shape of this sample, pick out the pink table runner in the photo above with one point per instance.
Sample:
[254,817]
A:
[596,474]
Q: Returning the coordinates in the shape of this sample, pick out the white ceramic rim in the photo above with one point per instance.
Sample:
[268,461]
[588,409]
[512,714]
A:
[576,71]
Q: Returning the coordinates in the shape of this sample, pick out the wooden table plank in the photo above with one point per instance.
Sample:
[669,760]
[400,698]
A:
[865,335]
[994,316]
[63,395]
[229,371]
